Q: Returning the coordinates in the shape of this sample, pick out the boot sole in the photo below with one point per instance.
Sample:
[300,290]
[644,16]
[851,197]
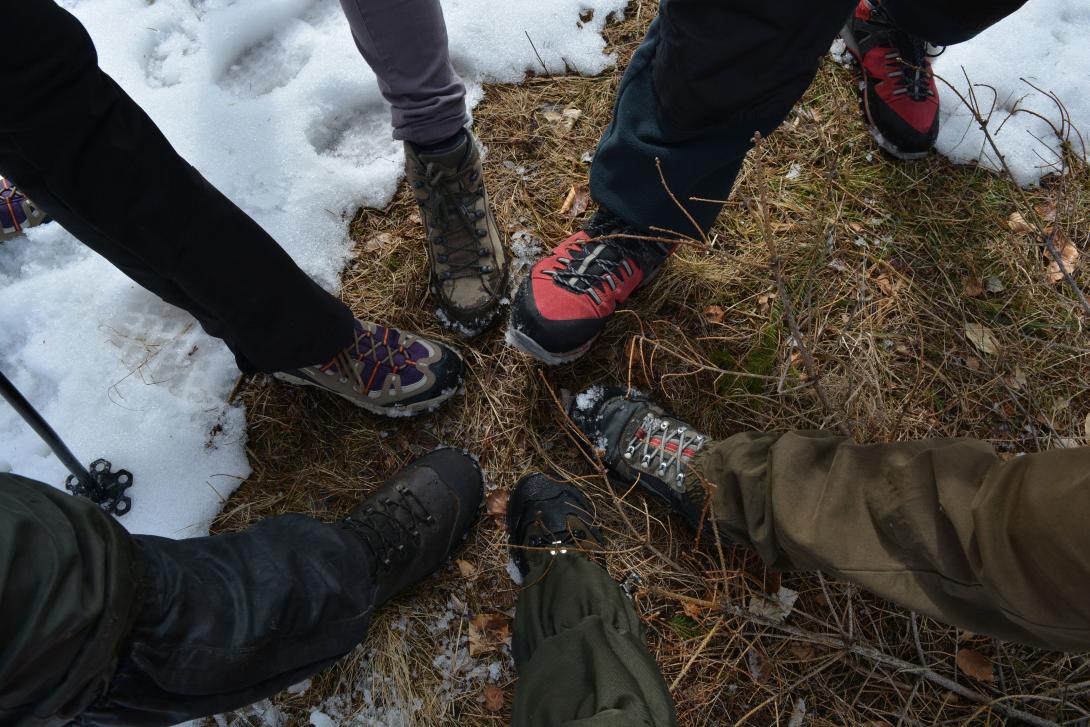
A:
[519,340]
[393,411]
[888,146]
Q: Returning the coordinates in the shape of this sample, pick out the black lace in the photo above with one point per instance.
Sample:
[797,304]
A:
[612,251]
[456,230]
[910,59]
[546,538]
[386,534]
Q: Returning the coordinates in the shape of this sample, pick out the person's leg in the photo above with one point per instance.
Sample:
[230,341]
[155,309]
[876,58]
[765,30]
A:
[942,22]
[86,154]
[943,527]
[228,620]
[709,75]
[405,43]
[578,644]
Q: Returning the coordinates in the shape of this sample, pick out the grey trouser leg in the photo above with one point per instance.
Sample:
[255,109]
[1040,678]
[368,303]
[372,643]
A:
[580,653]
[405,43]
[942,526]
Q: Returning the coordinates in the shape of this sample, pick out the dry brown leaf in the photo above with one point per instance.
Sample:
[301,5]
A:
[1046,210]
[1069,255]
[803,651]
[693,611]
[1086,428]
[973,287]
[714,314]
[378,242]
[493,698]
[887,285]
[488,632]
[982,337]
[496,503]
[467,569]
[993,284]
[764,302]
[759,666]
[577,201]
[976,665]
[1018,224]
[570,117]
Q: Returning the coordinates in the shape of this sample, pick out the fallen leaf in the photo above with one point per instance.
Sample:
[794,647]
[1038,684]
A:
[837,265]
[1069,255]
[695,612]
[577,200]
[467,569]
[887,285]
[764,302]
[774,607]
[1018,224]
[982,337]
[798,714]
[973,287]
[976,665]
[552,115]
[1018,378]
[569,118]
[493,698]
[714,314]
[1086,428]
[496,503]
[378,242]
[993,284]
[488,632]
[759,668]
[1046,211]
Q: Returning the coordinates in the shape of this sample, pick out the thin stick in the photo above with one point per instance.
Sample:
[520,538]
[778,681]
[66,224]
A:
[781,288]
[539,60]
[698,652]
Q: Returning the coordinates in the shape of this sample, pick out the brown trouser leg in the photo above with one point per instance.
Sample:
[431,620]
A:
[942,527]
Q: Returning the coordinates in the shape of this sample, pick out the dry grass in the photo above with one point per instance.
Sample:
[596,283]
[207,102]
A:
[877,255]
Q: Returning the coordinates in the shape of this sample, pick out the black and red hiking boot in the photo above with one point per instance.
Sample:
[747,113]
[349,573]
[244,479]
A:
[563,304]
[897,89]
[641,444]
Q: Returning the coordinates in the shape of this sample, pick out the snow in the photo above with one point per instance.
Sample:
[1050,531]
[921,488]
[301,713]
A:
[1044,43]
[272,102]
[587,400]
[513,572]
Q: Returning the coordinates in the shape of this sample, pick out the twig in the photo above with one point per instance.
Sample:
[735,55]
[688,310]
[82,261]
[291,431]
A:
[781,288]
[698,652]
[539,60]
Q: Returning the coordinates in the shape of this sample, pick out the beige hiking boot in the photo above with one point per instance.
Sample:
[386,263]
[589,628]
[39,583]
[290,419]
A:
[469,265]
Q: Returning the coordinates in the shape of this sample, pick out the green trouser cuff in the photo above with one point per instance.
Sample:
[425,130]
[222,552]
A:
[580,653]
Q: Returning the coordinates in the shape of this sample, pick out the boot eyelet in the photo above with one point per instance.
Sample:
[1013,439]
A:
[431,520]
[445,275]
[441,258]
[486,268]
[344,380]
[483,252]
[482,233]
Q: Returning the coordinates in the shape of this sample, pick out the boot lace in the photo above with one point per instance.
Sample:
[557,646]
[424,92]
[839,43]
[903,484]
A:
[456,222]
[662,447]
[908,60]
[378,351]
[605,260]
[391,524]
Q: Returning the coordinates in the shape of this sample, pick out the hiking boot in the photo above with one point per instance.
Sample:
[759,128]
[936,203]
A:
[563,304]
[640,444]
[17,213]
[417,518]
[897,89]
[469,265]
[547,519]
[387,372]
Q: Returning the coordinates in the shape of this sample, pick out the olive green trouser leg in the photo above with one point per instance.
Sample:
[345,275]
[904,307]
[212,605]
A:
[580,653]
[942,527]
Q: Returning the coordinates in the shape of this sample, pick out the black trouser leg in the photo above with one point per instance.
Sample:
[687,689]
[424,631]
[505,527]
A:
[710,74]
[229,620]
[93,160]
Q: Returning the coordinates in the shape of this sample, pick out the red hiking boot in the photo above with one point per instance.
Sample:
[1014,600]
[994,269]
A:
[563,304]
[899,98]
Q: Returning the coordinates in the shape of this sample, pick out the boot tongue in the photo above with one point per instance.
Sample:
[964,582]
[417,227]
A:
[449,158]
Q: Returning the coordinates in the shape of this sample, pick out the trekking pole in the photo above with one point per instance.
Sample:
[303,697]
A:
[100,485]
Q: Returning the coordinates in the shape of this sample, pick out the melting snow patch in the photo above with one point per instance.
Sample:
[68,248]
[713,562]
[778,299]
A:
[589,399]
[272,102]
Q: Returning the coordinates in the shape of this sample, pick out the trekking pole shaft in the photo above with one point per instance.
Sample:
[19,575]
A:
[31,416]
